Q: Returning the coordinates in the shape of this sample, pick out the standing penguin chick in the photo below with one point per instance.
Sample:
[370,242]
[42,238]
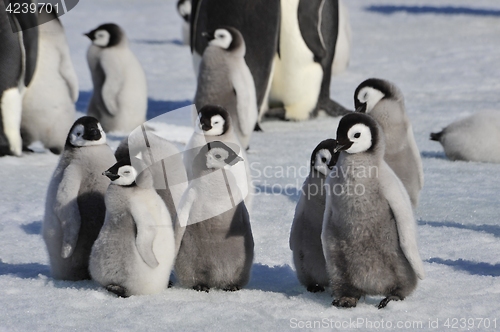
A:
[385,103]
[474,138]
[305,236]
[119,100]
[134,252]
[74,208]
[369,236]
[217,247]
[49,102]
[224,79]
[213,123]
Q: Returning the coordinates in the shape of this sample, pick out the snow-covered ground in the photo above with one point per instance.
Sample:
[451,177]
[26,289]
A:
[446,62]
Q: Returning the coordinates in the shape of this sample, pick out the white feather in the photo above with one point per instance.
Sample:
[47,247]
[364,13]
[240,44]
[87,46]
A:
[11,105]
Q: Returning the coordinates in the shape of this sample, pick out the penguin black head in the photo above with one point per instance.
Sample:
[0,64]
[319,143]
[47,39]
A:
[106,35]
[227,38]
[358,132]
[370,92]
[323,158]
[213,120]
[122,173]
[184,9]
[86,131]
[218,155]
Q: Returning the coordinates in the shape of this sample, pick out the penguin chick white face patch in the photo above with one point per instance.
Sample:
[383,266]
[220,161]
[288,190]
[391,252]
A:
[323,157]
[127,174]
[361,138]
[101,38]
[216,157]
[370,97]
[222,38]
[217,123]
[76,136]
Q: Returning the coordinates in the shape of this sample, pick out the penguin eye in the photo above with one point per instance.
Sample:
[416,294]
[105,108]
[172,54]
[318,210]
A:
[216,122]
[365,96]
[126,172]
[217,156]
[323,160]
[357,135]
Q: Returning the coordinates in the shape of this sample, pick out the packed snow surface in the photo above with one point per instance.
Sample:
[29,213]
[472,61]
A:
[445,57]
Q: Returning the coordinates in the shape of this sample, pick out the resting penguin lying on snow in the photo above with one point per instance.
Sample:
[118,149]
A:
[474,138]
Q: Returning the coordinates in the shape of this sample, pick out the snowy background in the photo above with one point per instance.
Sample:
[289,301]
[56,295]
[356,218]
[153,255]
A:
[447,63]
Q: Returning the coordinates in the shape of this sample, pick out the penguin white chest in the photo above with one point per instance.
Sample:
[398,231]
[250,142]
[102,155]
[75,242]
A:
[297,78]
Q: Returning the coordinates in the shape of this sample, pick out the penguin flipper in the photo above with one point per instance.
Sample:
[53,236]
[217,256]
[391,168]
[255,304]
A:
[146,231]
[400,204]
[67,72]
[309,16]
[246,100]
[416,155]
[66,209]
[112,84]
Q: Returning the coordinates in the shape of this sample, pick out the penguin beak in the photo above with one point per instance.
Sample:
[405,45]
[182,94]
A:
[110,175]
[93,134]
[338,148]
[361,108]
[205,127]
[207,35]
[88,34]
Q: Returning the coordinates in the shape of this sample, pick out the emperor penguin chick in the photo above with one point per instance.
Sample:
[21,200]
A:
[474,138]
[385,103]
[224,79]
[369,233]
[49,101]
[305,236]
[217,247]
[213,123]
[135,250]
[119,100]
[74,208]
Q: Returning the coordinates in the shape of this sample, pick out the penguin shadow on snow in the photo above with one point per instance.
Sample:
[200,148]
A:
[34,228]
[291,193]
[472,268]
[158,42]
[441,10]
[278,279]
[24,271]
[433,155]
[155,107]
[490,229]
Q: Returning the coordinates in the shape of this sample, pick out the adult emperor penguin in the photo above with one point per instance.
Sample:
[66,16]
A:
[369,232]
[258,21]
[214,124]
[74,208]
[119,100]
[184,9]
[305,236]
[134,252]
[49,101]
[217,246]
[224,79]
[303,65]
[474,138]
[18,54]
[385,103]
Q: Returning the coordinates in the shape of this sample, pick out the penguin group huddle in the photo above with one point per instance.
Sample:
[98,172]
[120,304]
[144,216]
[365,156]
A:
[128,219]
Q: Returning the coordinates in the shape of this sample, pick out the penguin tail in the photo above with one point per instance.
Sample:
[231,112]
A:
[436,136]
[118,290]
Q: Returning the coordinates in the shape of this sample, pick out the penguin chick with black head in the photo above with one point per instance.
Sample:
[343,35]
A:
[217,246]
[213,123]
[224,79]
[369,233]
[119,100]
[74,208]
[305,236]
[135,250]
[384,101]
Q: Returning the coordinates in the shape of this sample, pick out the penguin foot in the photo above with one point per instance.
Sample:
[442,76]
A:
[55,151]
[331,108]
[277,113]
[5,150]
[257,127]
[170,284]
[345,302]
[118,290]
[315,288]
[201,288]
[388,299]
[232,288]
